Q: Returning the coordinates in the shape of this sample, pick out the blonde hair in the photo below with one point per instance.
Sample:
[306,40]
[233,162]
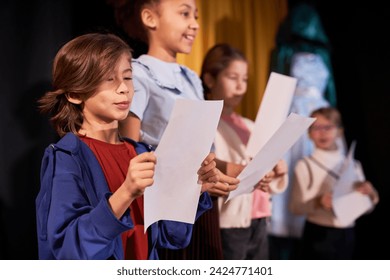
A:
[330,113]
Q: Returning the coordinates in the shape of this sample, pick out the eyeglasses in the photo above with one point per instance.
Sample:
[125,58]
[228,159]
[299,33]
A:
[322,127]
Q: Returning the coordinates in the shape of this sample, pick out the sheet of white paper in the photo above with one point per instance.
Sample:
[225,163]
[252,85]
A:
[351,206]
[348,205]
[273,110]
[186,142]
[275,148]
[347,177]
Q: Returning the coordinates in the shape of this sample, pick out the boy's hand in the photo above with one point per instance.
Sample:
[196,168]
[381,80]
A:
[326,201]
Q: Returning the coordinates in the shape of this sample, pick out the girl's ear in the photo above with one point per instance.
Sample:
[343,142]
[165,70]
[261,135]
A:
[74,98]
[208,80]
[149,18]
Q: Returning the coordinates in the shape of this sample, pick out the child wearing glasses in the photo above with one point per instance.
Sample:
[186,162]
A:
[324,235]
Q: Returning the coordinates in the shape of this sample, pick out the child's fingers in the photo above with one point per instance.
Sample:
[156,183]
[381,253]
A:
[145,157]
[210,157]
[204,169]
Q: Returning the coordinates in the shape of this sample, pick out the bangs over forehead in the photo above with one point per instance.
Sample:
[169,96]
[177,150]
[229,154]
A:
[86,60]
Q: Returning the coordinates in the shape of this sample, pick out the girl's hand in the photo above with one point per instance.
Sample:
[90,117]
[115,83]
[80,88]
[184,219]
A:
[213,180]
[264,184]
[223,187]
[280,168]
[208,172]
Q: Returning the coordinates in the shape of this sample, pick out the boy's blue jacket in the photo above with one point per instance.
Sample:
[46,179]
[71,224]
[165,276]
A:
[74,220]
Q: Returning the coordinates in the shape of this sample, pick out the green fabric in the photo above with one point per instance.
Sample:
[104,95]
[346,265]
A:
[302,31]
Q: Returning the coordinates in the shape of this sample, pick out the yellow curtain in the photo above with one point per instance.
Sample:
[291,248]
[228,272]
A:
[250,25]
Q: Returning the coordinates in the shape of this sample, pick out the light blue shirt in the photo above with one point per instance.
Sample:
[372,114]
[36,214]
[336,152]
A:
[157,85]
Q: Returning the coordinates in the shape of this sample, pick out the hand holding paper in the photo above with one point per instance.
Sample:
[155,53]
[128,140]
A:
[184,145]
[349,204]
[272,152]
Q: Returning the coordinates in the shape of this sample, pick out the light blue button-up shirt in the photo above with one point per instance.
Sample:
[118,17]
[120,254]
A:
[157,85]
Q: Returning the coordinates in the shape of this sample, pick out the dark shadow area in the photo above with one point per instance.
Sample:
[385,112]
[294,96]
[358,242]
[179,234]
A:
[24,174]
[360,62]
[32,33]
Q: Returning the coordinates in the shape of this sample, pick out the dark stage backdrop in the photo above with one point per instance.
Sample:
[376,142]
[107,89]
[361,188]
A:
[361,66]
[31,34]
[32,31]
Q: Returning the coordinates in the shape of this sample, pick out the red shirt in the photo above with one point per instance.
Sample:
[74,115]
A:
[114,160]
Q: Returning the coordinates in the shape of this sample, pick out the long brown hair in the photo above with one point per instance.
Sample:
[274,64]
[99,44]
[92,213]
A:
[217,59]
[78,69]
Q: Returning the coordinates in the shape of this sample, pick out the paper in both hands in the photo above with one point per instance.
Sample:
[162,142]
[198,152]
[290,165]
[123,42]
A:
[348,204]
[186,142]
[273,150]
[273,110]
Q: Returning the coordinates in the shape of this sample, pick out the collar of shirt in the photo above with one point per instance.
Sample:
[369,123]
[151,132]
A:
[168,75]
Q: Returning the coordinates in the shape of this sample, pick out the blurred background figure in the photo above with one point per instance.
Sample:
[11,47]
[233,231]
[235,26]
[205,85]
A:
[243,219]
[327,236]
[302,51]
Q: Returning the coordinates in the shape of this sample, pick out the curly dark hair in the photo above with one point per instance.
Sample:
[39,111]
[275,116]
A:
[128,16]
